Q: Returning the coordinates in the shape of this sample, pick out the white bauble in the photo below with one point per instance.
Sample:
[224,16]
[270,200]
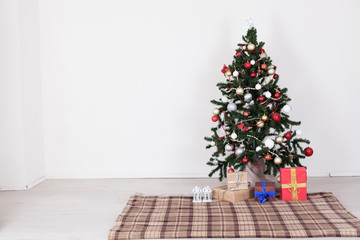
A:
[242,145]
[235,73]
[258,86]
[239,151]
[231,107]
[252,62]
[263,55]
[298,132]
[248,97]
[271,71]
[267,94]
[286,108]
[216,111]
[246,106]
[224,99]
[228,147]
[233,135]
[258,148]
[269,143]
[212,143]
[251,103]
[216,162]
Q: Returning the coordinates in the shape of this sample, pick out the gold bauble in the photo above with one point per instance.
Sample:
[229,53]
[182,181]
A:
[279,139]
[251,47]
[216,111]
[239,91]
[263,55]
[291,157]
[228,73]
[271,71]
[277,160]
[260,124]
[264,118]
[278,178]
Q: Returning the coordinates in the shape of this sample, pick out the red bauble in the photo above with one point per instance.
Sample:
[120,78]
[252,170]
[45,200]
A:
[214,118]
[276,117]
[246,113]
[245,160]
[277,95]
[308,151]
[252,75]
[275,76]
[247,65]
[288,135]
[238,54]
[230,170]
[262,51]
[268,157]
[261,98]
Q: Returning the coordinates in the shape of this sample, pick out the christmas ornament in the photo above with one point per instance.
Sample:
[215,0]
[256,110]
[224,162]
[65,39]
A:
[215,162]
[263,55]
[275,76]
[263,66]
[233,135]
[224,99]
[279,139]
[278,178]
[252,75]
[247,65]
[267,94]
[251,103]
[228,147]
[251,47]
[286,108]
[258,149]
[231,107]
[242,145]
[277,160]
[268,157]
[238,54]
[269,143]
[246,113]
[259,71]
[212,143]
[291,157]
[245,160]
[308,151]
[239,91]
[277,95]
[252,62]
[214,118]
[258,86]
[298,132]
[224,69]
[239,151]
[235,73]
[261,98]
[262,51]
[264,118]
[247,97]
[230,170]
[216,111]
[271,71]
[276,117]
[228,73]
[260,124]
[288,135]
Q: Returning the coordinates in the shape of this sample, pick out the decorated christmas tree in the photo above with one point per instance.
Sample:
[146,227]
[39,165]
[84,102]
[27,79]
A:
[252,117]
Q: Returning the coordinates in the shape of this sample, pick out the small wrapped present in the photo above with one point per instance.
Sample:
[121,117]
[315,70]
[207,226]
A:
[293,184]
[265,191]
[237,180]
[223,194]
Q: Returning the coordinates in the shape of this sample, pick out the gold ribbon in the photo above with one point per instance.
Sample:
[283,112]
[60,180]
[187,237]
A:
[293,186]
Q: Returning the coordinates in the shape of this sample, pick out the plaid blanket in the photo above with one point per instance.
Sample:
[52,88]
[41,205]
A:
[178,217]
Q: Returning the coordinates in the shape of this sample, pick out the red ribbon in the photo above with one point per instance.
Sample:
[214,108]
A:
[225,69]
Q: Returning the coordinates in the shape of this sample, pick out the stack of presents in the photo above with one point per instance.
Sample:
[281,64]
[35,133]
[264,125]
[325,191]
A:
[292,186]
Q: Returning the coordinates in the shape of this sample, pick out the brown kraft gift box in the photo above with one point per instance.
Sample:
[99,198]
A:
[223,194]
[237,180]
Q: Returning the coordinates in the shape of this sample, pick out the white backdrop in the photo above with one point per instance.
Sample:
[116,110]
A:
[126,85]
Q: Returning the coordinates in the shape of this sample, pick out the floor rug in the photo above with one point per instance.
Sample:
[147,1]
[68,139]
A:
[158,217]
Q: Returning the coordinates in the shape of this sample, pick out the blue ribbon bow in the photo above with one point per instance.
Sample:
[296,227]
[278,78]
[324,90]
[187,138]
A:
[262,196]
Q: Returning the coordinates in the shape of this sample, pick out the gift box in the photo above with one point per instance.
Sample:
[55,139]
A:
[223,194]
[265,191]
[237,180]
[293,184]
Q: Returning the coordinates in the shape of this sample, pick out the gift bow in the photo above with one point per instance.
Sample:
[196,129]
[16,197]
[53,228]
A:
[294,186]
[237,182]
[262,196]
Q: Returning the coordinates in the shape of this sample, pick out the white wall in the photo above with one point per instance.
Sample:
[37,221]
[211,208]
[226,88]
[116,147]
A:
[127,84]
[21,136]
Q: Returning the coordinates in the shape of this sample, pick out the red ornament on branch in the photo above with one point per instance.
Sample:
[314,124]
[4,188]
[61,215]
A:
[277,95]
[224,69]
[214,118]
[247,65]
[238,54]
[308,151]
[261,98]
[262,51]
[230,170]
[288,135]
[245,160]
[276,117]
[275,76]
[252,75]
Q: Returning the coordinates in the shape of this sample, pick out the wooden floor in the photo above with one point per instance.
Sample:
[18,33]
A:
[87,209]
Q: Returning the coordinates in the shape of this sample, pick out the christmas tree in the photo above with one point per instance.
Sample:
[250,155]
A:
[252,116]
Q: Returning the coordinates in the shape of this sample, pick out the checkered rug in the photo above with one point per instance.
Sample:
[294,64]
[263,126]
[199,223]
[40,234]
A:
[178,217]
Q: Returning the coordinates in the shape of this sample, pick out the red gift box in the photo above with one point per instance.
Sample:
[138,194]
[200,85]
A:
[293,184]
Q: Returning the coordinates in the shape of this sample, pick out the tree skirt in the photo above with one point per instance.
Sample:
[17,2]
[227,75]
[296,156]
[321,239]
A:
[178,217]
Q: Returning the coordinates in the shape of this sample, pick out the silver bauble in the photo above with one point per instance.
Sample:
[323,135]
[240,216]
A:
[286,108]
[271,71]
[228,147]
[258,149]
[231,107]
[258,86]
[267,94]
[277,160]
[239,91]
[233,135]
[242,145]
[269,143]
[252,62]
[224,99]
[235,73]
[216,111]
[239,151]
[248,97]
[279,139]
